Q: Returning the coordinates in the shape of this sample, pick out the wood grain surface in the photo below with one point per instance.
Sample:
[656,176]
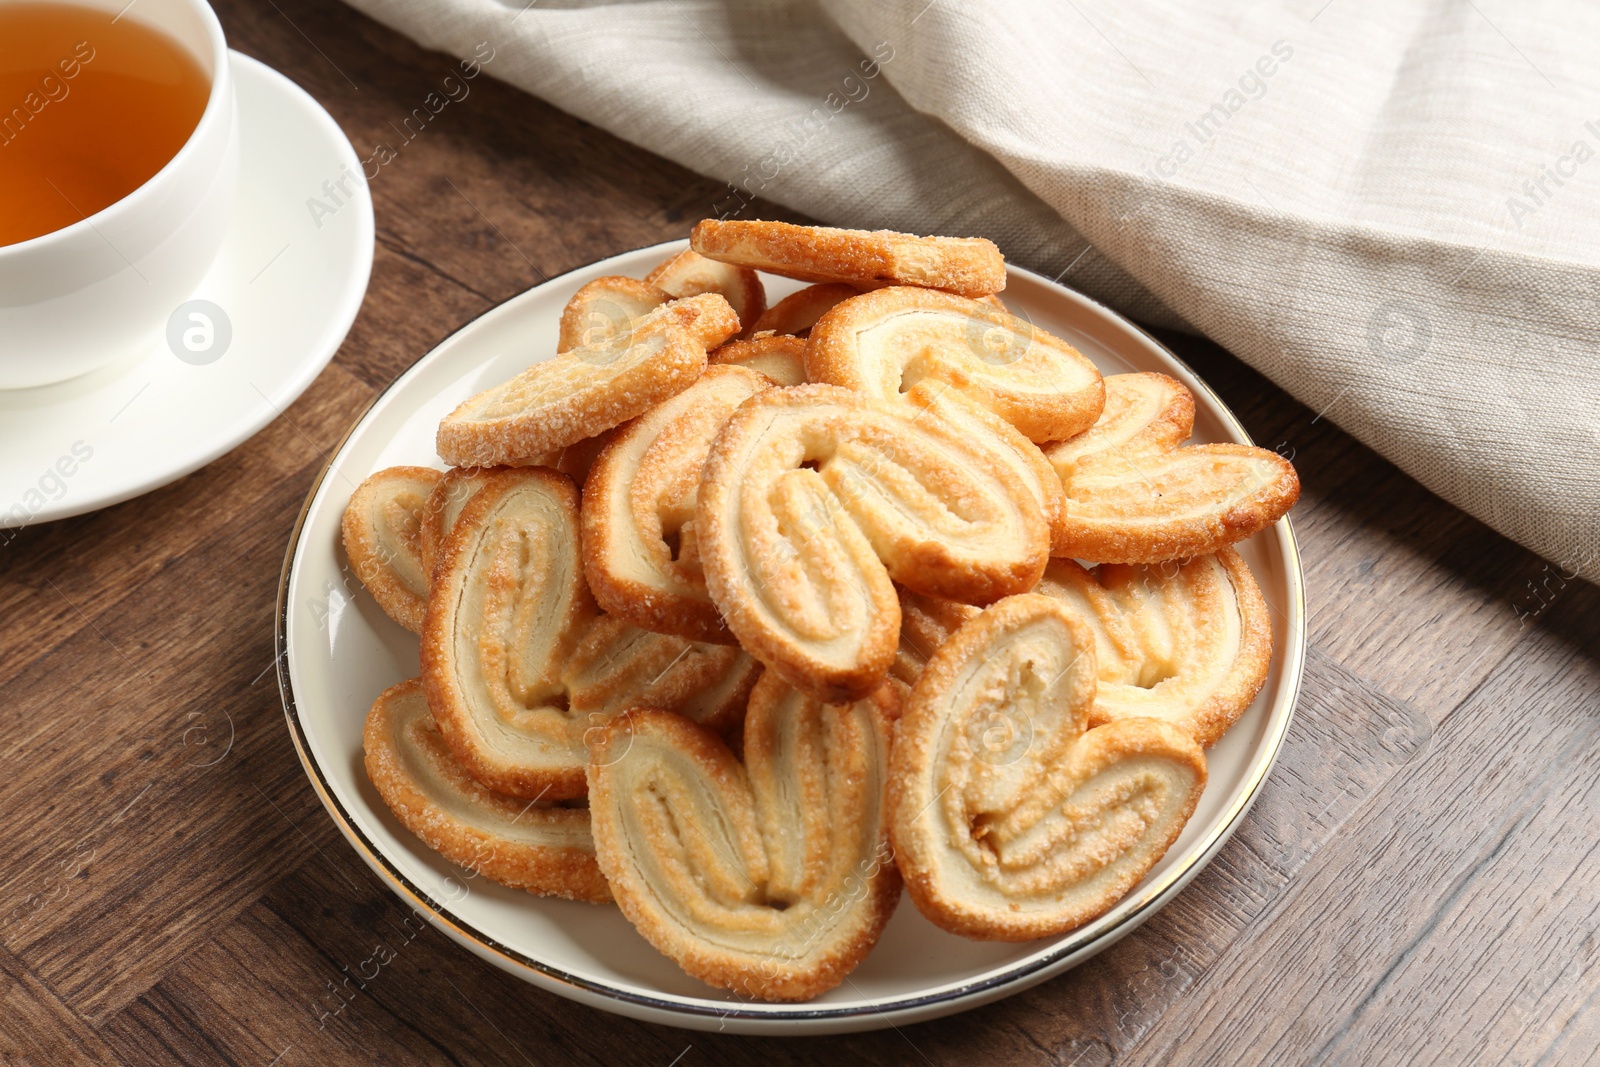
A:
[1416,885]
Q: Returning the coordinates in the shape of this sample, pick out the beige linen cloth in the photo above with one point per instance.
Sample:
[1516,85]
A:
[1389,207]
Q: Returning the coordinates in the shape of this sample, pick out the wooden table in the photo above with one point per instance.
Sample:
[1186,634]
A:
[1417,884]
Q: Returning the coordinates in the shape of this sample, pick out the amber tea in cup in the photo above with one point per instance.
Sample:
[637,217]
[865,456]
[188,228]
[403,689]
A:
[92,105]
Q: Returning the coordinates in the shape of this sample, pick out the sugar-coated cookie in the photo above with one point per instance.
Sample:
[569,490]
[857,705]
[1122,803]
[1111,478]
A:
[1011,817]
[970,266]
[519,670]
[690,274]
[640,550]
[603,308]
[884,342]
[541,847]
[384,540]
[580,393]
[771,876]
[815,500]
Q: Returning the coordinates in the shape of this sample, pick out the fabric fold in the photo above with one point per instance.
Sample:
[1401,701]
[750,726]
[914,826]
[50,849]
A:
[1392,210]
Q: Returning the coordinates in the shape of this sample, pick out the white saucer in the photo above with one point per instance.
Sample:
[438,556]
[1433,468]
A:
[289,288]
[338,651]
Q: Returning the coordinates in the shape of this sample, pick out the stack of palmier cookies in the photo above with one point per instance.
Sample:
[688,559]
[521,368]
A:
[742,616]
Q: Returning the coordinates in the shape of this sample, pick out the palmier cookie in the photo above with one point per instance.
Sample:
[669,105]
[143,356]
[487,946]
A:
[813,498]
[779,357]
[441,509]
[1188,643]
[383,539]
[1145,413]
[782,359]
[517,668]
[970,266]
[926,623]
[796,313]
[1133,496]
[578,394]
[1027,467]
[689,274]
[772,879]
[613,664]
[640,552]
[543,848]
[1011,818]
[458,484]
[617,666]
[884,342]
[603,308]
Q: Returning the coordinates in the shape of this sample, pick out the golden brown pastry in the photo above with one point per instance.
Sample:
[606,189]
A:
[1134,496]
[1188,643]
[440,511]
[574,461]
[884,342]
[1002,380]
[779,357]
[813,498]
[603,308]
[926,623]
[580,393]
[1012,819]
[771,877]
[508,607]
[516,666]
[640,552]
[617,666]
[970,266]
[799,311]
[1029,470]
[383,539]
[543,848]
[1145,414]
[689,274]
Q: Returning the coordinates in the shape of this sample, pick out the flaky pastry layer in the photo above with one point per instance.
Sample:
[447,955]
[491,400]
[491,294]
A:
[604,308]
[884,342]
[970,266]
[771,877]
[582,392]
[1144,414]
[440,511]
[1185,642]
[383,533]
[690,274]
[813,498]
[519,669]
[1134,496]
[1011,818]
[543,848]
[640,551]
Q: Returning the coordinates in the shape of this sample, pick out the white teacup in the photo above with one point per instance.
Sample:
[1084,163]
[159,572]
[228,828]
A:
[103,288]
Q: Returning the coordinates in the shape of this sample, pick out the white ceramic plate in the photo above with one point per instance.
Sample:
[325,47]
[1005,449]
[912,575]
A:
[289,285]
[338,651]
